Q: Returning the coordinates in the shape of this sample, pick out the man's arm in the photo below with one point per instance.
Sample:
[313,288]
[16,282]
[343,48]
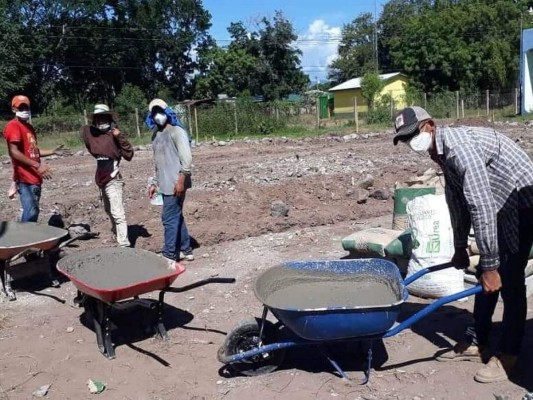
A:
[16,154]
[47,153]
[470,166]
[181,141]
[459,214]
[124,145]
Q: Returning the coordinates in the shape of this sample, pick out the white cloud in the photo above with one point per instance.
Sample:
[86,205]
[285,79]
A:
[319,47]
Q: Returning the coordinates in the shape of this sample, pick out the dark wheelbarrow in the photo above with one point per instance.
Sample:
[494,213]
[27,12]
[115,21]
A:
[324,302]
[108,277]
[26,239]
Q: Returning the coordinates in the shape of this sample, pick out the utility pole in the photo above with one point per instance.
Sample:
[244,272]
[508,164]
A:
[376,62]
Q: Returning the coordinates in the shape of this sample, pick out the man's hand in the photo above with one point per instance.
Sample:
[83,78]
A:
[491,281]
[152,191]
[460,259]
[179,188]
[44,171]
[115,132]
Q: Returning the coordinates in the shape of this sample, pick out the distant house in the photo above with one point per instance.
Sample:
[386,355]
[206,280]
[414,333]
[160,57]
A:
[395,84]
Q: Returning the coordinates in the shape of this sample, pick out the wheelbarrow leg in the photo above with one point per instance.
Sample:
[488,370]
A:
[341,371]
[6,281]
[104,311]
[92,315]
[159,326]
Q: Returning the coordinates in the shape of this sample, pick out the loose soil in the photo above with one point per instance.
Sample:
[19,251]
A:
[43,340]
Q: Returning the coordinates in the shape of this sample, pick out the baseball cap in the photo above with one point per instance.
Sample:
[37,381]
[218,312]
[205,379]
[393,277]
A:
[18,100]
[406,122]
[157,103]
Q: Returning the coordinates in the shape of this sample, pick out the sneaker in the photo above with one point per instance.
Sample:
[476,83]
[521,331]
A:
[186,255]
[462,351]
[175,265]
[498,369]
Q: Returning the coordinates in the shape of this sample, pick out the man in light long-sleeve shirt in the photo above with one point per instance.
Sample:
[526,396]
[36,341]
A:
[172,155]
[489,186]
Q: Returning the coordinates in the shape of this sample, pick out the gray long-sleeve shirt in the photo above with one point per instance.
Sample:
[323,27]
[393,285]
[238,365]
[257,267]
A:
[172,155]
[489,178]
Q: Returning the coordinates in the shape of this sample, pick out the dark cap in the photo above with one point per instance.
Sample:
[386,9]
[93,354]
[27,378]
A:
[406,122]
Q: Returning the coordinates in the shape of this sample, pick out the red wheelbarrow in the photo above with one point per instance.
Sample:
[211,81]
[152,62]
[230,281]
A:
[19,239]
[106,277]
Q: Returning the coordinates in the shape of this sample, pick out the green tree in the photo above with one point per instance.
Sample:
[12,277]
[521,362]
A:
[355,51]
[130,98]
[371,86]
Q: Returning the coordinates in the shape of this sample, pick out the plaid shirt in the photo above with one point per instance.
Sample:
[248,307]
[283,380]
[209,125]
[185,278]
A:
[489,178]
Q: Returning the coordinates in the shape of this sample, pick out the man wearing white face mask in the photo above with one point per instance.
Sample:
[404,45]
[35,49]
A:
[489,185]
[173,159]
[28,171]
[108,145]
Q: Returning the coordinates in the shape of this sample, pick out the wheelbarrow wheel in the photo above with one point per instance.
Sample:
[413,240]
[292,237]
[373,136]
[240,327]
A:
[245,337]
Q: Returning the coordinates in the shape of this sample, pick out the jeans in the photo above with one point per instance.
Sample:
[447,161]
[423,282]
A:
[512,273]
[176,233]
[30,195]
[114,207]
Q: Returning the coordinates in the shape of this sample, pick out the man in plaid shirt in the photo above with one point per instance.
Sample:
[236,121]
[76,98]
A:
[489,185]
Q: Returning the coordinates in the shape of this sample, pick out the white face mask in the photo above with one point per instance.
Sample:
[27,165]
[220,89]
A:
[421,143]
[104,127]
[160,119]
[23,115]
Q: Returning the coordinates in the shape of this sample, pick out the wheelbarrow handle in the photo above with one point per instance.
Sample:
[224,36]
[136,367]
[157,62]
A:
[198,284]
[432,307]
[425,271]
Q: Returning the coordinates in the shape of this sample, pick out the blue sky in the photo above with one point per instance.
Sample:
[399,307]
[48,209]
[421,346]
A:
[318,23]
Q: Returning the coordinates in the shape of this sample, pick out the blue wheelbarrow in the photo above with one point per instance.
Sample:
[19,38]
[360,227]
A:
[324,302]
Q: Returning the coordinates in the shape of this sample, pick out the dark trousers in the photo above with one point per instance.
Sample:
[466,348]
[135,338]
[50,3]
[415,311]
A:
[512,273]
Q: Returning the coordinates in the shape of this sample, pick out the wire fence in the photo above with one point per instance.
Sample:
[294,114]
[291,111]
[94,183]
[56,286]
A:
[239,118]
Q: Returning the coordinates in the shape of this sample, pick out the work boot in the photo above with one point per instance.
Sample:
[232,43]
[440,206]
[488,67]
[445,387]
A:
[462,351]
[498,369]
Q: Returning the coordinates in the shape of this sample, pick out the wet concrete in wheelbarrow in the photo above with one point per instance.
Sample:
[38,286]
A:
[287,288]
[16,234]
[114,267]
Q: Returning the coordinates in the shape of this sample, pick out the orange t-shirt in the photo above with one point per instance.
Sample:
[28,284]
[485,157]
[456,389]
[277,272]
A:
[23,136]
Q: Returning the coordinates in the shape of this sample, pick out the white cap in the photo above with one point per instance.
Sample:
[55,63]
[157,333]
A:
[157,103]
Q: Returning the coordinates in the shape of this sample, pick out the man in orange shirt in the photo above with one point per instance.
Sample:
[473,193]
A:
[28,171]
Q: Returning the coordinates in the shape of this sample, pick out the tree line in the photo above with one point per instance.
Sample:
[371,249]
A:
[69,54]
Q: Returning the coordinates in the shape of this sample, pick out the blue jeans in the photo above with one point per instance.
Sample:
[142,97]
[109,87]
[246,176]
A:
[30,195]
[176,233]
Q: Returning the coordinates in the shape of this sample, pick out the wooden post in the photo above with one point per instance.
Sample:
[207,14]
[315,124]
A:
[355,115]
[457,103]
[425,101]
[235,117]
[85,117]
[462,108]
[488,102]
[196,124]
[137,122]
[391,105]
[516,101]
[317,112]
[189,118]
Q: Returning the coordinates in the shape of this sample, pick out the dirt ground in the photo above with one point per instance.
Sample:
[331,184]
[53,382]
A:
[46,340]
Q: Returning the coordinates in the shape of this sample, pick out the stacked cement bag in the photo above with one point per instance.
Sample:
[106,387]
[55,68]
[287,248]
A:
[432,244]
[430,182]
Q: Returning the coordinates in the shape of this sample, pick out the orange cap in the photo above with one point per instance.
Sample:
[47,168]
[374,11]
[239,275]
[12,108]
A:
[18,100]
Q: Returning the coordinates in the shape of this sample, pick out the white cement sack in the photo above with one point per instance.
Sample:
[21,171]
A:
[432,238]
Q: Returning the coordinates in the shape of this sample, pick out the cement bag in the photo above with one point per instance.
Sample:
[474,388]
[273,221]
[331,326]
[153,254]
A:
[432,241]
[370,242]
